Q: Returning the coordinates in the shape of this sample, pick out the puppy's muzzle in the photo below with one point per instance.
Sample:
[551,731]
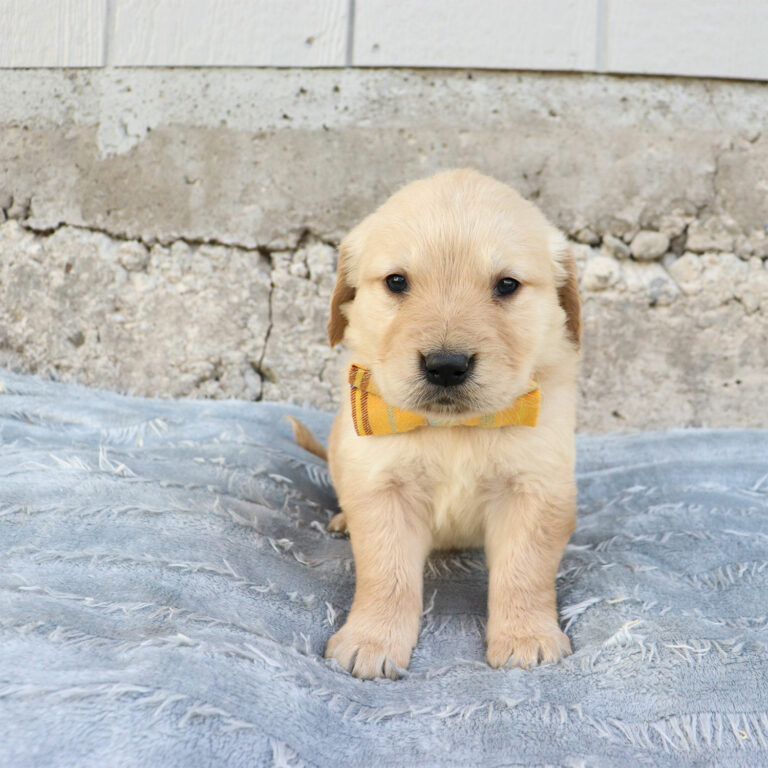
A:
[447,369]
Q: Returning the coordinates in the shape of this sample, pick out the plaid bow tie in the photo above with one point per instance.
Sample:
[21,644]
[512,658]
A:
[372,416]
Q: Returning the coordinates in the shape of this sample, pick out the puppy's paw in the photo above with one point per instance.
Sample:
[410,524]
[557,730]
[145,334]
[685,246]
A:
[338,523]
[527,650]
[368,657]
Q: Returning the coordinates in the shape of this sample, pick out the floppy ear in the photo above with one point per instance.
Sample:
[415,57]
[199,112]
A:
[343,292]
[567,287]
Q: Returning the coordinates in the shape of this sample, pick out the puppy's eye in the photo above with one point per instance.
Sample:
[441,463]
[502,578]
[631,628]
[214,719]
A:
[397,283]
[506,286]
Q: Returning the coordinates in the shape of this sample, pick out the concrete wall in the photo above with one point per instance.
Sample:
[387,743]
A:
[172,232]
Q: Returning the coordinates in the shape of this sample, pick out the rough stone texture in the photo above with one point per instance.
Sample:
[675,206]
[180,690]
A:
[169,321]
[600,272]
[172,232]
[648,245]
[616,247]
[711,234]
[685,346]
[298,363]
[678,344]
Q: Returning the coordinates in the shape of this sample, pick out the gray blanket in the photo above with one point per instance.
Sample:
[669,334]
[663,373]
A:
[167,587]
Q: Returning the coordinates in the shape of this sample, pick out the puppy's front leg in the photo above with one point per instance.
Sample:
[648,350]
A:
[390,542]
[525,537]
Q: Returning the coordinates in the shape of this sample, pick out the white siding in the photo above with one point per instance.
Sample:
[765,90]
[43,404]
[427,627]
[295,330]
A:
[46,33]
[720,38]
[713,38]
[496,34]
[204,33]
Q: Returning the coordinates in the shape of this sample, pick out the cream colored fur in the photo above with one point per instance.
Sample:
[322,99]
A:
[509,489]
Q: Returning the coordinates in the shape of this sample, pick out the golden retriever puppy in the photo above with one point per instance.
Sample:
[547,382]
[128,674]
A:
[459,304]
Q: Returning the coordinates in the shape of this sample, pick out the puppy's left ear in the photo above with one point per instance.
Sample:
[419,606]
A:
[343,292]
[567,281]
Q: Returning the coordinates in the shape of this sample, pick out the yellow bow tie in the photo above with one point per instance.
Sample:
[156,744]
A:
[372,416]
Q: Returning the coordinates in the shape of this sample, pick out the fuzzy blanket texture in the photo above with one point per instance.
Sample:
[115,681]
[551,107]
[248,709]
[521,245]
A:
[167,588]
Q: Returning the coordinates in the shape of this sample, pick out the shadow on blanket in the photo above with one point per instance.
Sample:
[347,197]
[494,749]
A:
[167,587]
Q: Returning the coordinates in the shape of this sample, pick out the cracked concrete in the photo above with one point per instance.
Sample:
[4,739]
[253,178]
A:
[673,341]
[172,232]
[177,320]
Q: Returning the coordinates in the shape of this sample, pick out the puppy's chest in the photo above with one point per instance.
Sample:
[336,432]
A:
[457,514]
[459,488]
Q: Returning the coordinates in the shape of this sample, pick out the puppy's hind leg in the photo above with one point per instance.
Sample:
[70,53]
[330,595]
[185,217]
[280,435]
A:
[390,542]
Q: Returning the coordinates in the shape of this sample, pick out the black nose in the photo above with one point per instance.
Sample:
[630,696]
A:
[447,369]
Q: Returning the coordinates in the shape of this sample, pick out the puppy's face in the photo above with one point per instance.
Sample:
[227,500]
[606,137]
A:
[453,293]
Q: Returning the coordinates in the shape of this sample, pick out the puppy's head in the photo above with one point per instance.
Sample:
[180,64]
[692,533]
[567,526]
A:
[454,293]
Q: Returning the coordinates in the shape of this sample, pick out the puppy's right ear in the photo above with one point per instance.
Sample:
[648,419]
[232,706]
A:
[343,292]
